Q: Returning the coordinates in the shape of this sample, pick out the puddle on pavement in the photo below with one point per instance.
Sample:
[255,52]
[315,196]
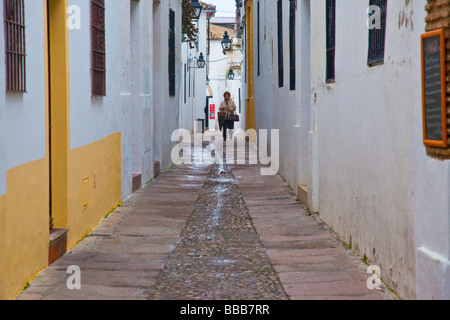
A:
[223,262]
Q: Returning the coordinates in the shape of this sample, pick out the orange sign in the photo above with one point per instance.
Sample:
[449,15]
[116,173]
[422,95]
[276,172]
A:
[434,89]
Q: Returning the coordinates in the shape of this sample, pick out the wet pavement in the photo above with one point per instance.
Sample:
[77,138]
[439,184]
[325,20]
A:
[210,232]
[219,255]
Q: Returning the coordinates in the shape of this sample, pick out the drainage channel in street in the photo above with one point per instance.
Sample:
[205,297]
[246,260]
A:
[219,254]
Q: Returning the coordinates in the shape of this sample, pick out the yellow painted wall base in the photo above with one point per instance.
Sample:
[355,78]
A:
[94,189]
[94,185]
[24,228]
[2,245]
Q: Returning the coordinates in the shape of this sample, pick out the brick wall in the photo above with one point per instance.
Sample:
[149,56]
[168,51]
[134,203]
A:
[439,18]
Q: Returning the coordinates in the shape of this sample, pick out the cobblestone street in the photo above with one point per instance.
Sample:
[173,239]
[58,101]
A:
[219,255]
[210,232]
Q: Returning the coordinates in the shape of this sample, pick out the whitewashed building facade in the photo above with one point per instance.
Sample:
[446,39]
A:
[85,119]
[350,122]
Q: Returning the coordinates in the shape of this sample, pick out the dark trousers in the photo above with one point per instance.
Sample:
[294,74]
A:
[221,121]
[227,124]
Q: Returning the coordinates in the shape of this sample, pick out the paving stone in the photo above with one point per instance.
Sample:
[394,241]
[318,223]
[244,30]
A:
[219,255]
[210,232]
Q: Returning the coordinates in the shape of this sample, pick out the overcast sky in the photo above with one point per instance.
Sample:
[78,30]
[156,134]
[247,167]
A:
[225,8]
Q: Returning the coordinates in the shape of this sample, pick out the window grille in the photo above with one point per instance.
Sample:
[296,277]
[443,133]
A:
[185,83]
[280,44]
[377,36]
[171,53]
[331,38]
[98,48]
[259,38]
[292,70]
[15,51]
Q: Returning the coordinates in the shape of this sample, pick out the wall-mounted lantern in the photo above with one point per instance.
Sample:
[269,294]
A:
[201,61]
[226,42]
[230,75]
[197,9]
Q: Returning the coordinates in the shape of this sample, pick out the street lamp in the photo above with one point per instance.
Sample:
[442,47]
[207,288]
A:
[230,75]
[201,61]
[226,42]
[197,9]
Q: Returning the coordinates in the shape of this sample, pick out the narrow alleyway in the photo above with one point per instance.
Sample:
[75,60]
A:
[213,232]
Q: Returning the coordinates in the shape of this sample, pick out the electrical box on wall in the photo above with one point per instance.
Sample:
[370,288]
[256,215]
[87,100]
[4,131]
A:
[85,193]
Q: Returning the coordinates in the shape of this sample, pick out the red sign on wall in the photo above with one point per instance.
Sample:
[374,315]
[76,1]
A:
[212,111]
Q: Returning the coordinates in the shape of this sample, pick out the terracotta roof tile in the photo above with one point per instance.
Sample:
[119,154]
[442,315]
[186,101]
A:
[216,32]
[207,6]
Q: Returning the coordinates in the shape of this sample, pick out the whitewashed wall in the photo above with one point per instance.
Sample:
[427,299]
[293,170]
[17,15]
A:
[196,92]
[431,193]
[200,74]
[141,93]
[244,87]
[166,108]
[282,108]
[93,118]
[186,109]
[2,115]
[365,142]
[24,113]
[126,108]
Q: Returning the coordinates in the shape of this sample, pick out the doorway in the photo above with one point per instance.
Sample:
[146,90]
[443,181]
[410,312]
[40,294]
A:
[57,60]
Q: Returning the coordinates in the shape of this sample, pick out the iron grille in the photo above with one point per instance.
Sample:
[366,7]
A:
[292,70]
[280,44]
[258,37]
[377,36]
[171,53]
[15,57]
[331,38]
[98,47]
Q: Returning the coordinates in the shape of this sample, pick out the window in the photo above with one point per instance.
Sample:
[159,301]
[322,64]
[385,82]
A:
[240,107]
[171,52]
[331,38]
[185,82]
[15,53]
[280,43]
[98,47]
[292,70]
[258,38]
[244,36]
[377,36]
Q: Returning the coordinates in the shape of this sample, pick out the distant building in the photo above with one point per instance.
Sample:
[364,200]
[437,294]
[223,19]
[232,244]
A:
[224,71]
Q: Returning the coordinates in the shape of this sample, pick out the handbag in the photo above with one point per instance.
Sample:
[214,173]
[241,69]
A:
[234,117]
[221,114]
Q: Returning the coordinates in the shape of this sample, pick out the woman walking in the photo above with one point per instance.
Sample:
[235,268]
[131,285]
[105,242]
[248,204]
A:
[229,108]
